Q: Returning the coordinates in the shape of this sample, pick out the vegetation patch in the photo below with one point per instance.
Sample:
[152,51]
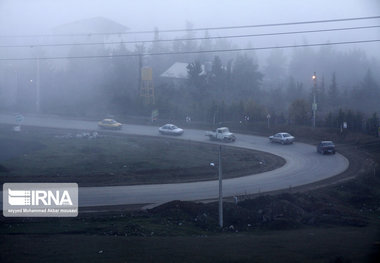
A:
[98,159]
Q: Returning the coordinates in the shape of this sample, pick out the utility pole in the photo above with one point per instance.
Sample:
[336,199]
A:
[220,187]
[139,79]
[314,105]
[38,93]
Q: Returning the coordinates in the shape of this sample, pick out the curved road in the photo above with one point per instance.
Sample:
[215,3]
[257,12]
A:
[303,166]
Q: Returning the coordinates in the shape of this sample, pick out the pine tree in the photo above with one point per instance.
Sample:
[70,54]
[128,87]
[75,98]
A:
[333,92]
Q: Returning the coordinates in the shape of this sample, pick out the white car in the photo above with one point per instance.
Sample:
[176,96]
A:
[170,129]
[282,137]
[221,134]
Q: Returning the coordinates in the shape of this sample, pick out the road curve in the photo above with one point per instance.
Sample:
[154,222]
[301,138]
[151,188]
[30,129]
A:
[303,166]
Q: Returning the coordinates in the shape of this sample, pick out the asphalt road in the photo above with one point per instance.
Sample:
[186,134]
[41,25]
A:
[303,166]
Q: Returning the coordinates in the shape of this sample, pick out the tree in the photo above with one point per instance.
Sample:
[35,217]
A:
[358,123]
[321,95]
[254,111]
[369,84]
[197,87]
[298,112]
[373,124]
[246,77]
[329,120]
[196,76]
[205,44]
[275,70]
[218,79]
[333,92]
[294,90]
[340,118]
[370,92]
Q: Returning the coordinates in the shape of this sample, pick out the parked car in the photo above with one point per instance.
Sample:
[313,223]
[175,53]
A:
[282,137]
[170,129]
[110,124]
[221,134]
[326,147]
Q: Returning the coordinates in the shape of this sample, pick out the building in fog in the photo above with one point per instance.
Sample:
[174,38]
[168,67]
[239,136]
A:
[92,30]
[177,73]
[22,82]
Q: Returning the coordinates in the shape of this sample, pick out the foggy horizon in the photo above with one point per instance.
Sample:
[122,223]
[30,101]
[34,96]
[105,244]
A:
[41,17]
[55,26]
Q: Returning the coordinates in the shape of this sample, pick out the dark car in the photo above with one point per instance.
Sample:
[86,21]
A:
[326,147]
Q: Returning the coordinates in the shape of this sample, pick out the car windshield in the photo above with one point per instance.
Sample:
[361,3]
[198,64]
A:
[327,144]
[286,135]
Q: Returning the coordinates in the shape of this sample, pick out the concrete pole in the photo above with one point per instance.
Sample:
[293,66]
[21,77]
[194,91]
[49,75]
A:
[139,88]
[220,188]
[314,106]
[314,110]
[38,95]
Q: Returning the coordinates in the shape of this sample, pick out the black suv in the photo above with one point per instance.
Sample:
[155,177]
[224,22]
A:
[326,147]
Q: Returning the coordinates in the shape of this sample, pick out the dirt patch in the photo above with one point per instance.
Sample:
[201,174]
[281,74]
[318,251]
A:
[284,211]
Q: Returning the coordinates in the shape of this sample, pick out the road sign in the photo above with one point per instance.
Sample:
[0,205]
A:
[268,116]
[19,118]
[146,73]
[154,115]
[314,106]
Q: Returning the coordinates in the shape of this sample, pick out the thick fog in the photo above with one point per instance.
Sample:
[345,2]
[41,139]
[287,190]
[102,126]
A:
[103,78]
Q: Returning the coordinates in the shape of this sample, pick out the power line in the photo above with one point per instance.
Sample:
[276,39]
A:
[196,52]
[191,39]
[199,29]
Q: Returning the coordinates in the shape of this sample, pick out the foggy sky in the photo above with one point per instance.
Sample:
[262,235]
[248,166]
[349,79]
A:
[19,17]
[37,15]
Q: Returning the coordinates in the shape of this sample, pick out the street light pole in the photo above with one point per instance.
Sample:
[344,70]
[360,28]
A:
[220,187]
[38,94]
[314,105]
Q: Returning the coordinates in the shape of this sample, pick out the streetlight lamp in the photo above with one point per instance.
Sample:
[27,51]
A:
[314,105]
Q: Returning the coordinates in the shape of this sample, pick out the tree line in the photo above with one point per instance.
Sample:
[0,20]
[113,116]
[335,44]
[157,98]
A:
[219,88]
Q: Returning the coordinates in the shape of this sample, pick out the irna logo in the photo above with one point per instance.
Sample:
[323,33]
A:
[39,197]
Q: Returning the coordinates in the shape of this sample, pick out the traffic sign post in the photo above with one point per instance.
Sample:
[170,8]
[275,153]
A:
[268,118]
[19,120]
[154,115]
